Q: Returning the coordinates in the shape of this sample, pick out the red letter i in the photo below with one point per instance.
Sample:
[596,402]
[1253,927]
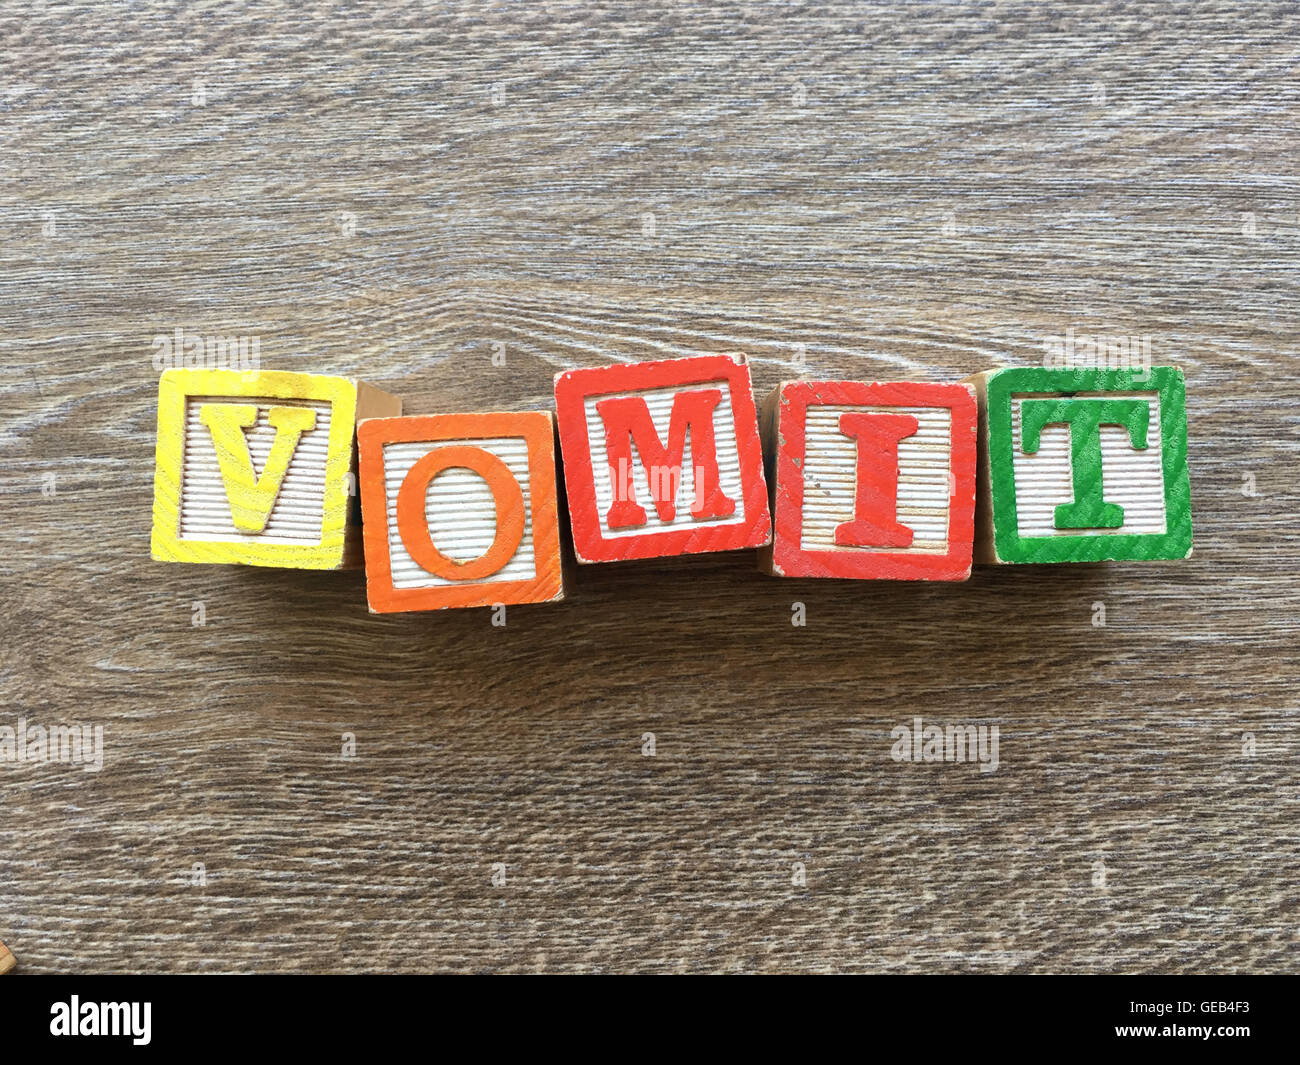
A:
[875,521]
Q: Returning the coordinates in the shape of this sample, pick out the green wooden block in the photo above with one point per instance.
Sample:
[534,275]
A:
[1083,465]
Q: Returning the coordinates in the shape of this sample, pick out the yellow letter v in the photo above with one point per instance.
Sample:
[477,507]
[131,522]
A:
[252,497]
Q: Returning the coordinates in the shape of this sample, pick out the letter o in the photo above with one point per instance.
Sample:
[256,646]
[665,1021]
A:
[413,527]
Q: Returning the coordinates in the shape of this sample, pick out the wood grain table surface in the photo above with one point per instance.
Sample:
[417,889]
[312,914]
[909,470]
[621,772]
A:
[401,193]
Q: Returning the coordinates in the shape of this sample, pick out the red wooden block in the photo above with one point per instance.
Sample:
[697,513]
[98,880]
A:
[872,481]
[662,458]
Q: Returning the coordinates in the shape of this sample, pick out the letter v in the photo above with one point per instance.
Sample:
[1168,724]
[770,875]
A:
[251,497]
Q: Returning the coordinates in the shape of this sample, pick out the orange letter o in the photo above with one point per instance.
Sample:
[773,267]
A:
[413,526]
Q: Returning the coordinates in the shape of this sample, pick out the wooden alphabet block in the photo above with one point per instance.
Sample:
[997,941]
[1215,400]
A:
[257,468]
[460,510]
[1083,465]
[871,481]
[7,960]
[662,458]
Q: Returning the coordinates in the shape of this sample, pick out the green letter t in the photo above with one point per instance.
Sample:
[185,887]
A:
[1085,417]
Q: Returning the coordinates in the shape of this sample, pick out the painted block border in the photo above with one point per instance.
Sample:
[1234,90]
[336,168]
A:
[174,388]
[538,430]
[1174,543]
[789,559]
[573,387]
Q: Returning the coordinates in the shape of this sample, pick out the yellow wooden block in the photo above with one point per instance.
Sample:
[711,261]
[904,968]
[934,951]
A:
[260,468]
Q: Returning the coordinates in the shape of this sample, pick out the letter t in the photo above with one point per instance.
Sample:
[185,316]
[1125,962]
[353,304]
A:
[1085,417]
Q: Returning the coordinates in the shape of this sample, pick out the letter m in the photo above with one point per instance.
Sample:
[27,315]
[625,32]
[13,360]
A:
[628,423]
[65,743]
[117,1017]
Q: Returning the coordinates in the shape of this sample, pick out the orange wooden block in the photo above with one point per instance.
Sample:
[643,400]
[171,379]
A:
[459,510]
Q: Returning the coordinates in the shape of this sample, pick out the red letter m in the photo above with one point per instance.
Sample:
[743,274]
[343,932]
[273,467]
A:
[627,422]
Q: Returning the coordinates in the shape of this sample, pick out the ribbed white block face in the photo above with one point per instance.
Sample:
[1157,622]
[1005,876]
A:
[460,511]
[830,478]
[660,404]
[298,512]
[1130,477]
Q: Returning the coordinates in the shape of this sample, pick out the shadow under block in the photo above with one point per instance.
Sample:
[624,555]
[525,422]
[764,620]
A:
[1082,465]
[259,468]
[871,481]
[460,510]
[662,458]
